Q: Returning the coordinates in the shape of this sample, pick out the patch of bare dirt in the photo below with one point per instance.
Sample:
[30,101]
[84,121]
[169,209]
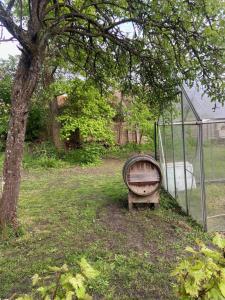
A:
[138,232]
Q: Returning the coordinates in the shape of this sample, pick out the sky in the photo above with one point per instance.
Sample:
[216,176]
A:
[8,48]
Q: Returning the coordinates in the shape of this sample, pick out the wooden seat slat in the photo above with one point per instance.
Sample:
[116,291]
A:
[141,182]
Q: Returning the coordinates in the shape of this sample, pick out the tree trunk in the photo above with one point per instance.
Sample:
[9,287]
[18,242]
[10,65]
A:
[55,125]
[75,139]
[136,135]
[140,140]
[24,84]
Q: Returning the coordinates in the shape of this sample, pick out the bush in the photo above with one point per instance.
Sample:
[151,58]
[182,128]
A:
[44,149]
[63,284]
[36,123]
[126,150]
[45,155]
[202,274]
[90,154]
[42,155]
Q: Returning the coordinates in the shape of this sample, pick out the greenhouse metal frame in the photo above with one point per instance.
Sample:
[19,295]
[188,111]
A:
[191,150]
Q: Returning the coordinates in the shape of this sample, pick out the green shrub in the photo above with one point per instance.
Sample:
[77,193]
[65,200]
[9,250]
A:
[45,149]
[42,155]
[42,162]
[63,284]
[124,151]
[202,274]
[36,123]
[4,120]
[90,154]
[45,155]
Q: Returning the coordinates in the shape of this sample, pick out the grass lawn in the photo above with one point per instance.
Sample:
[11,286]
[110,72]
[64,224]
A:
[69,213]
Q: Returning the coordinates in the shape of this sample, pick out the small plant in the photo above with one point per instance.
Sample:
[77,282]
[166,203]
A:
[202,274]
[62,283]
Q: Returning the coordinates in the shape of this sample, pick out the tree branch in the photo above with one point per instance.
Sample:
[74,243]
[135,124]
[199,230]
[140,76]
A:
[17,32]
[10,5]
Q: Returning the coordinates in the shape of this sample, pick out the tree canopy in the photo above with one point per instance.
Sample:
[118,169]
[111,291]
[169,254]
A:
[169,41]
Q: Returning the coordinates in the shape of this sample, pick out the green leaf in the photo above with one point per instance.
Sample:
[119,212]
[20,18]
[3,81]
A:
[42,290]
[219,241]
[35,279]
[87,269]
[25,297]
[221,286]
[214,294]
[65,278]
[81,292]
[190,249]
[64,268]
[77,281]
[69,295]
[211,253]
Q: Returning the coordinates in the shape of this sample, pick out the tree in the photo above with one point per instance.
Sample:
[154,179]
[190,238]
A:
[87,114]
[172,40]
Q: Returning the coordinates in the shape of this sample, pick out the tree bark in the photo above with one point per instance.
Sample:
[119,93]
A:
[136,135]
[140,139]
[24,84]
[55,125]
[75,139]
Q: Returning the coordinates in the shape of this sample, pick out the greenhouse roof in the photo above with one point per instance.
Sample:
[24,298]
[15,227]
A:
[202,105]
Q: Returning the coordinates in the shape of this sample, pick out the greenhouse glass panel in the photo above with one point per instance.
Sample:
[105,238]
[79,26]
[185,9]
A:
[177,110]
[179,166]
[188,113]
[169,153]
[161,143]
[192,156]
[193,171]
[203,105]
[214,158]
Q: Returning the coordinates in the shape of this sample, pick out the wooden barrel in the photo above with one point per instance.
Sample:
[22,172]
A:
[142,175]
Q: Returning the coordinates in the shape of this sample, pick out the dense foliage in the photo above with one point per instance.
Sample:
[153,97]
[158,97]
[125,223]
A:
[4,119]
[202,274]
[85,109]
[140,118]
[7,72]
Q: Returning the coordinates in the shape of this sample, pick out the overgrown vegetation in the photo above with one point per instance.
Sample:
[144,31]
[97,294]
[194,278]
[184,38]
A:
[45,155]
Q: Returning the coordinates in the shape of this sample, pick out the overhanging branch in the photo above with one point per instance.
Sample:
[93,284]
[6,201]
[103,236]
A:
[18,33]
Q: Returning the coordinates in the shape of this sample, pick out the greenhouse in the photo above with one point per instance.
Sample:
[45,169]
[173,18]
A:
[191,145]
